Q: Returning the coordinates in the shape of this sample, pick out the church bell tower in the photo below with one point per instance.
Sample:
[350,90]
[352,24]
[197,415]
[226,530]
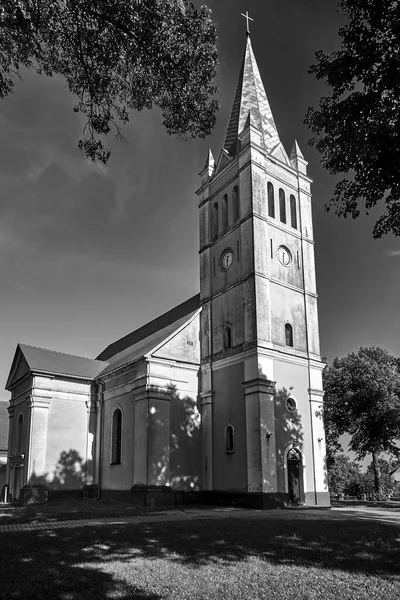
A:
[260,390]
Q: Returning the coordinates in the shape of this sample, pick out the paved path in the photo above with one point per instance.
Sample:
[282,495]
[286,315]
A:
[383,515]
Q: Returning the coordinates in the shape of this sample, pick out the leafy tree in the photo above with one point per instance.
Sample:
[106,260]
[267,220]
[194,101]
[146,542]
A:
[117,56]
[362,399]
[367,482]
[357,127]
[344,476]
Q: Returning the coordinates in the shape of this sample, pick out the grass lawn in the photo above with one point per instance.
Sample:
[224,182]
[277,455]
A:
[245,558]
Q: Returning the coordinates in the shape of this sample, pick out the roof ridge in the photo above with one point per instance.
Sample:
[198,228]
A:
[160,322]
[58,352]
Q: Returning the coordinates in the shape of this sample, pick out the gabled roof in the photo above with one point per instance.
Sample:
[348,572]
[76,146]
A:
[250,96]
[159,324]
[41,360]
[122,352]
[144,347]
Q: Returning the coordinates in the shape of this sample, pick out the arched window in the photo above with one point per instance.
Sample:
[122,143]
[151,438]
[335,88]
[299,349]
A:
[224,212]
[229,439]
[289,335]
[214,221]
[19,444]
[235,204]
[271,200]
[282,206]
[294,454]
[116,444]
[293,213]
[227,336]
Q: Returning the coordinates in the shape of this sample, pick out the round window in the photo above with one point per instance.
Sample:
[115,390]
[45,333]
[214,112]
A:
[291,404]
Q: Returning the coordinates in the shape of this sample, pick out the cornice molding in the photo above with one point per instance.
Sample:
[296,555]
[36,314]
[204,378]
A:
[39,402]
[258,385]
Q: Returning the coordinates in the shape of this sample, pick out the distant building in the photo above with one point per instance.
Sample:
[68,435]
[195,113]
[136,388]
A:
[220,399]
[395,477]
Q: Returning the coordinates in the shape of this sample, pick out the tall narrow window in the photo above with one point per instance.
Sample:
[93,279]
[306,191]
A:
[116,455]
[271,200]
[235,204]
[214,221]
[282,206]
[289,335]
[19,444]
[229,439]
[227,336]
[224,212]
[293,213]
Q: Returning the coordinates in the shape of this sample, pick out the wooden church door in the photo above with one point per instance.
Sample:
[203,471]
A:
[294,464]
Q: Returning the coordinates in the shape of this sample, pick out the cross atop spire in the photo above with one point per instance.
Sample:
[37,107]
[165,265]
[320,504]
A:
[246,16]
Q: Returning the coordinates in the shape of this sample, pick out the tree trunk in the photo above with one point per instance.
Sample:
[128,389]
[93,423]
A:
[377,475]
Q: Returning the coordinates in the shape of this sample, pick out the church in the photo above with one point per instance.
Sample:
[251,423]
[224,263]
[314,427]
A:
[220,399]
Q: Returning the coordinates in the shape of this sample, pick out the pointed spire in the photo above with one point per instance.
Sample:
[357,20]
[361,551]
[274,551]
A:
[250,95]
[297,159]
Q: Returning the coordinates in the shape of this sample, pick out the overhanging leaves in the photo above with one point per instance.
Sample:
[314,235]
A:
[357,128]
[117,56]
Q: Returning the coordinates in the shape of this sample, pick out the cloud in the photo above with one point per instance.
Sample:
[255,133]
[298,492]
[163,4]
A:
[393,253]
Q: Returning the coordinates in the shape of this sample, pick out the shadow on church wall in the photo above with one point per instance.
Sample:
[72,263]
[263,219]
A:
[184,445]
[288,430]
[70,473]
[319,413]
[185,449]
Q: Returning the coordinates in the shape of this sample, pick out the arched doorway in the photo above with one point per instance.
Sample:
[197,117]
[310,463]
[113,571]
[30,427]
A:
[295,475]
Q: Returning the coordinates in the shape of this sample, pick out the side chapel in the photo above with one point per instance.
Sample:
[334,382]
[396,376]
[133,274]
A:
[220,399]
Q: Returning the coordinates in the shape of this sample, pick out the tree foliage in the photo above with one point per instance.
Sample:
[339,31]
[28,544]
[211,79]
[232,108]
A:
[357,128]
[362,399]
[117,56]
[344,476]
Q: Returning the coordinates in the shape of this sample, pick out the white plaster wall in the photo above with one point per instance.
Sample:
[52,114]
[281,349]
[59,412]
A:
[140,442]
[321,478]
[114,476]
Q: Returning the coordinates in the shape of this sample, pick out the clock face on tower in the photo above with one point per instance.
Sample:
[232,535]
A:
[284,256]
[226,260]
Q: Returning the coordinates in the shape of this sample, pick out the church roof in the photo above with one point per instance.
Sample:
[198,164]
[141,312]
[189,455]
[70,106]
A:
[157,326]
[250,96]
[58,363]
[146,345]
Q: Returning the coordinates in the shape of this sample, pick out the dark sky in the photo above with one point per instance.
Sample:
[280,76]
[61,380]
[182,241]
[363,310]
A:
[90,253]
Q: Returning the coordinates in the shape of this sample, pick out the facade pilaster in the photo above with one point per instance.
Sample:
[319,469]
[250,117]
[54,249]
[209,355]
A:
[206,411]
[318,446]
[39,414]
[10,434]
[260,435]
[152,438]
[92,408]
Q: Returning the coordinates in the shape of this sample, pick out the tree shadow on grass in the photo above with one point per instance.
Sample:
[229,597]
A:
[109,561]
